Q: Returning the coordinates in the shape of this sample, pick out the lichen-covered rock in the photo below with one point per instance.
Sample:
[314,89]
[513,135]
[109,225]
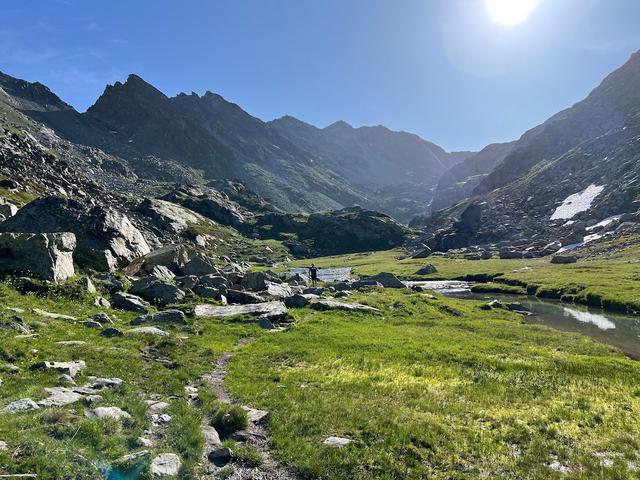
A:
[48,256]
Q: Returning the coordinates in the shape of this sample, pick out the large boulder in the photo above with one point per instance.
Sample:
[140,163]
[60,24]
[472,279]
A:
[173,257]
[48,256]
[167,215]
[387,280]
[106,238]
[7,209]
[157,291]
[564,259]
[208,202]
[132,303]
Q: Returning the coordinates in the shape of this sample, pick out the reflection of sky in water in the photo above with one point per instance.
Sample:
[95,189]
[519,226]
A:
[600,321]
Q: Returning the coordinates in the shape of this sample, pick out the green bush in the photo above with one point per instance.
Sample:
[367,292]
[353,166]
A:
[227,419]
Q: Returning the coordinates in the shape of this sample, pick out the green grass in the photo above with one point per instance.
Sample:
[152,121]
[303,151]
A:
[59,443]
[441,389]
[612,282]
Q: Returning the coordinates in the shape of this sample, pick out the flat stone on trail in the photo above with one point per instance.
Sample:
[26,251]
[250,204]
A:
[337,442]
[70,368]
[273,309]
[23,405]
[255,415]
[107,412]
[165,465]
[323,305]
[57,316]
[211,437]
[148,331]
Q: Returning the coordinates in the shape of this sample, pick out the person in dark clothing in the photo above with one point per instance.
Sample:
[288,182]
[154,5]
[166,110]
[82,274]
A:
[313,273]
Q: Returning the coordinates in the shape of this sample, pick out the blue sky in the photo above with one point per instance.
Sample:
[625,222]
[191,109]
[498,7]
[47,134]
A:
[442,69]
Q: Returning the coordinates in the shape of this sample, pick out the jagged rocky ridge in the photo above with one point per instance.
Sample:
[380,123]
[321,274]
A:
[193,139]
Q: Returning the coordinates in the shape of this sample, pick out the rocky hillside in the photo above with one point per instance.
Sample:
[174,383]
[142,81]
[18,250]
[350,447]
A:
[562,180]
[194,139]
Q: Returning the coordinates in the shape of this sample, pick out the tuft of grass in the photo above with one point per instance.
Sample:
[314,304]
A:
[228,419]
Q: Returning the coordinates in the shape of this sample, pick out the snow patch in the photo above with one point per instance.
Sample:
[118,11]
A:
[604,222]
[578,202]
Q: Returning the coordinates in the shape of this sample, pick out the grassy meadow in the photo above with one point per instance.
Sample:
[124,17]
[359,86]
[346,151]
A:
[442,389]
[612,282]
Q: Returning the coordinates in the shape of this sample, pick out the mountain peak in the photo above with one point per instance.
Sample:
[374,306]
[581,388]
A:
[340,125]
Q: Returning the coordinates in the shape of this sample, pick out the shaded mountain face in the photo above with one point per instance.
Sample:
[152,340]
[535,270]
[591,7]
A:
[460,180]
[370,156]
[585,159]
[202,138]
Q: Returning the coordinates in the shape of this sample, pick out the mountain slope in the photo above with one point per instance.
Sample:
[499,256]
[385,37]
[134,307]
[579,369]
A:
[608,107]
[205,137]
[370,155]
[598,141]
[460,180]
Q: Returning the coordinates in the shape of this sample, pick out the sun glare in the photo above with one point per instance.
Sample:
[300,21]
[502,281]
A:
[510,12]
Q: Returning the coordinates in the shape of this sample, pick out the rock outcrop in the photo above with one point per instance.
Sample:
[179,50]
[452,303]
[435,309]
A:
[106,238]
[48,256]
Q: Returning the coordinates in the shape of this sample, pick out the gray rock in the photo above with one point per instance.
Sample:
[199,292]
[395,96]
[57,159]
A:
[64,378]
[109,282]
[114,413]
[214,281]
[165,465]
[427,270]
[242,297]
[59,397]
[424,253]
[132,303]
[92,324]
[211,438]
[297,301]
[273,309]
[173,257]
[278,290]
[163,273]
[343,286]
[101,302]
[564,259]
[167,215]
[510,253]
[112,332]
[157,291]
[220,456]
[102,318]
[87,285]
[4,447]
[92,400]
[343,294]
[187,281]
[106,238]
[551,248]
[337,442]
[173,317]
[207,292]
[323,305]
[147,331]
[24,405]
[255,415]
[7,209]
[366,283]
[257,281]
[69,368]
[387,280]
[46,256]
[200,266]
[56,316]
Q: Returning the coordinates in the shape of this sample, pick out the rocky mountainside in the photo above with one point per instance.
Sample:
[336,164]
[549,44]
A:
[562,179]
[194,139]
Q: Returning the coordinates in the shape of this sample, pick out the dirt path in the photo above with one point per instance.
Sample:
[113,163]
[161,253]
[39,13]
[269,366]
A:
[255,436]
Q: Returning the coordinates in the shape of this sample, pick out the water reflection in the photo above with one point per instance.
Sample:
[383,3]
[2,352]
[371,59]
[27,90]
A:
[620,330]
[342,274]
[600,321]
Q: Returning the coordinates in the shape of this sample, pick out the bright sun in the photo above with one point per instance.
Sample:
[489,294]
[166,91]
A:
[510,12]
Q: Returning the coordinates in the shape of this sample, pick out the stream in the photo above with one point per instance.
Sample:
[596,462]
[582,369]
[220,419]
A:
[620,330]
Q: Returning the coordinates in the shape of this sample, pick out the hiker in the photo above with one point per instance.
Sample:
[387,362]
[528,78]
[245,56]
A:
[313,273]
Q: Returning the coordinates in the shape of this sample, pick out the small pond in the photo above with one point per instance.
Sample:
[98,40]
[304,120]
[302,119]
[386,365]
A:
[620,330]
